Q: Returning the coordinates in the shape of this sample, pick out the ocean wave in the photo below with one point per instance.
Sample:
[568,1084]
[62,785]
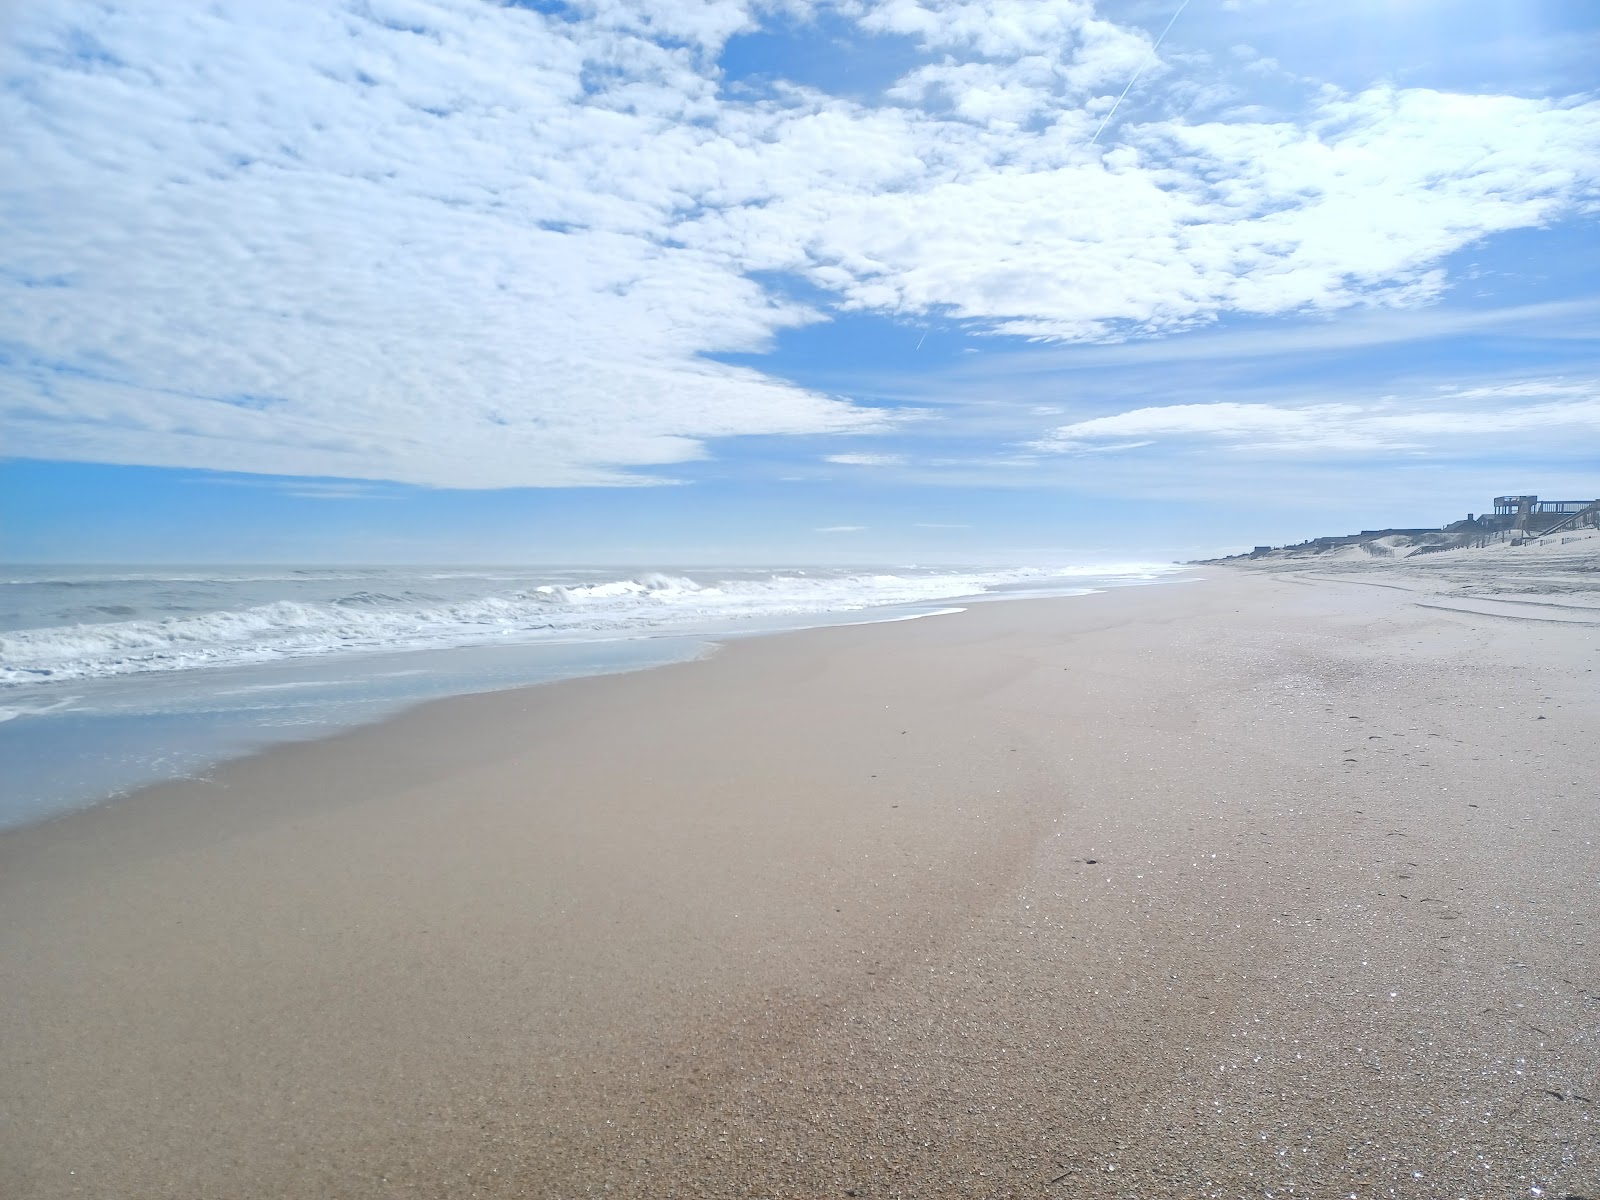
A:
[373,620]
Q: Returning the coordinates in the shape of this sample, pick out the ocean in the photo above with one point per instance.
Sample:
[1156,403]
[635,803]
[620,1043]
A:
[112,678]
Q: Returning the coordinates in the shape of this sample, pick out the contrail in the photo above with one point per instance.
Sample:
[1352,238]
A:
[922,339]
[1137,73]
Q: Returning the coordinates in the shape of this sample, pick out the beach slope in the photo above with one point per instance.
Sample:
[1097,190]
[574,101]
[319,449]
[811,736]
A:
[1243,885]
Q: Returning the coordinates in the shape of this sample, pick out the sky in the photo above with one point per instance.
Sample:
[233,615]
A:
[788,280]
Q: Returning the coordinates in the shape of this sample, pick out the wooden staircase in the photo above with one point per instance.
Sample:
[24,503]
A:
[1583,518]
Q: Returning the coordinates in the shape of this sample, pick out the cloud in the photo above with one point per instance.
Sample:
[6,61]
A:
[842,529]
[1473,415]
[1030,235]
[425,255]
[866,460]
[476,245]
[1089,50]
[1567,320]
[333,491]
[303,489]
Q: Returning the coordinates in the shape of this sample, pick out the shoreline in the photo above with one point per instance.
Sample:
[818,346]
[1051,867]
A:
[1043,892]
[122,734]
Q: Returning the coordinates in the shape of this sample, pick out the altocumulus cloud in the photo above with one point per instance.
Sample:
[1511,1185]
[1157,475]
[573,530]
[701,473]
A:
[477,245]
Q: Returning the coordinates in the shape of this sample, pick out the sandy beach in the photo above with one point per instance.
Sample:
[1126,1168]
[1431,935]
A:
[1256,884]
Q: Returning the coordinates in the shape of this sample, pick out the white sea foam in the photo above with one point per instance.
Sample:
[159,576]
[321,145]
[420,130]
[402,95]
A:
[10,712]
[391,613]
[298,685]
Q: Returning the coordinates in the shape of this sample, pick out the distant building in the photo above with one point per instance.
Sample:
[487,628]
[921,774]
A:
[1530,515]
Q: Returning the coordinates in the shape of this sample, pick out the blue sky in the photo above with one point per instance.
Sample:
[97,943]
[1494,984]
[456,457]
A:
[822,280]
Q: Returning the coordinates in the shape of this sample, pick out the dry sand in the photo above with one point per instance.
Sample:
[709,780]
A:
[1246,886]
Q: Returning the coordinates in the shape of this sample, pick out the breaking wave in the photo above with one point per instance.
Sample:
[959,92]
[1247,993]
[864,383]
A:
[396,618]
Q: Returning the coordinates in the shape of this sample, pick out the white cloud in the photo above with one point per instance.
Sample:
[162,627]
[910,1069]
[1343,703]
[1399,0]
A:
[303,489]
[297,240]
[472,245]
[866,460]
[334,491]
[1357,205]
[1095,50]
[1555,319]
[1469,416]
[842,529]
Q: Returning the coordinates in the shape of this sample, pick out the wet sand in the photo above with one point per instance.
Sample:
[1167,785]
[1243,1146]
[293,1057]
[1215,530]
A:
[1251,885]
